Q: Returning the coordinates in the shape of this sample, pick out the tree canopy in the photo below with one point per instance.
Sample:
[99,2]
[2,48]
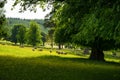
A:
[21,34]
[2,19]
[18,34]
[15,31]
[91,23]
[34,34]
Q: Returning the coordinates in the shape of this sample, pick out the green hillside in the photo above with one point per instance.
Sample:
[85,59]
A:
[13,21]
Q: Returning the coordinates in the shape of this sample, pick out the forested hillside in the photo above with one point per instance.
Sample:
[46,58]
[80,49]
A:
[13,21]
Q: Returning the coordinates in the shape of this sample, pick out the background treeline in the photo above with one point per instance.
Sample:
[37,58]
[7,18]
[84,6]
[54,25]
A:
[25,31]
[12,21]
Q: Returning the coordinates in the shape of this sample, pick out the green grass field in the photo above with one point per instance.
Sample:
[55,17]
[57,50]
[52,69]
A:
[24,64]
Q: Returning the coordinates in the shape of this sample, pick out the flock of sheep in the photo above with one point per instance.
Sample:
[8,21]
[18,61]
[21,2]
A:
[58,51]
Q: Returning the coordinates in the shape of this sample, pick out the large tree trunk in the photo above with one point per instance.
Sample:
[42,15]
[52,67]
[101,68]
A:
[97,54]
[43,43]
[97,51]
[59,46]
[51,43]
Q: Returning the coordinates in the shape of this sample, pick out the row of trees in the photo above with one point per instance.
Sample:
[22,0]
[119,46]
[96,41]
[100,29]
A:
[31,35]
[12,21]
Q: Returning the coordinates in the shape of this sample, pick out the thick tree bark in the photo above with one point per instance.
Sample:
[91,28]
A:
[97,54]
[59,46]
[97,51]
[43,43]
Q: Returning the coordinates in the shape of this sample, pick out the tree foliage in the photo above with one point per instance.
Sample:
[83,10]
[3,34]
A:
[2,19]
[13,21]
[34,34]
[15,30]
[21,34]
[61,37]
[92,23]
[44,38]
[18,34]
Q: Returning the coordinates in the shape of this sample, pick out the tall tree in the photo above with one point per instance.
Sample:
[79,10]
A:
[93,23]
[51,36]
[44,38]
[21,34]
[60,36]
[34,34]
[14,33]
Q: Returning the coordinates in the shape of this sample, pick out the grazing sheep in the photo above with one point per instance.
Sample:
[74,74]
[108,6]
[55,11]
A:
[61,52]
[58,52]
[86,51]
[40,49]
[114,54]
[33,49]
[65,53]
[50,51]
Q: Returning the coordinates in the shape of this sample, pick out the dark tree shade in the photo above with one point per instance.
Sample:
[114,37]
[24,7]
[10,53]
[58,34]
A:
[2,24]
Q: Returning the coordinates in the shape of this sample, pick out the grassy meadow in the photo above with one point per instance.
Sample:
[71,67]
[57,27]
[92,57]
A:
[24,64]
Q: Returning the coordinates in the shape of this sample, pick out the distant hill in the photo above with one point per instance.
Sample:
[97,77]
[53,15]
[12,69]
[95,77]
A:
[13,21]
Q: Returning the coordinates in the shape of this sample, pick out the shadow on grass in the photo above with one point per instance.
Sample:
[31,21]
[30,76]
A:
[79,60]
[62,59]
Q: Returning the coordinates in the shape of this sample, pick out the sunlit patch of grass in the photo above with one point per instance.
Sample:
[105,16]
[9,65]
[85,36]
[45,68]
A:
[28,52]
[110,57]
[16,51]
